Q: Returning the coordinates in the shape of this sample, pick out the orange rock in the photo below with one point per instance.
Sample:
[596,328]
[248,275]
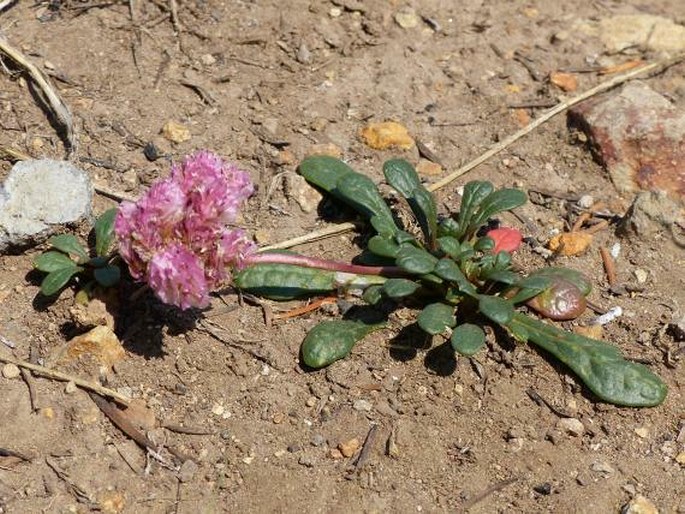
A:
[175,132]
[564,81]
[428,168]
[100,343]
[570,243]
[348,448]
[521,116]
[325,149]
[389,134]
[591,331]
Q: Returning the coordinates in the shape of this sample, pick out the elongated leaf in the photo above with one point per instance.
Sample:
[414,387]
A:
[284,281]
[529,287]
[474,193]
[467,339]
[383,246]
[497,309]
[104,232]
[107,276]
[598,364]
[448,269]
[52,261]
[56,280]
[402,237]
[330,341]
[401,175]
[450,245]
[399,287]
[498,201]
[69,244]
[324,171]
[436,318]
[415,260]
[360,192]
[503,276]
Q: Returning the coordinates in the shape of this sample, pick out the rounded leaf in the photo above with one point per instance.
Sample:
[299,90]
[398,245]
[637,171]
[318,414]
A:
[467,339]
[56,280]
[399,287]
[69,244]
[330,341]
[497,309]
[415,260]
[104,232]
[436,318]
[107,276]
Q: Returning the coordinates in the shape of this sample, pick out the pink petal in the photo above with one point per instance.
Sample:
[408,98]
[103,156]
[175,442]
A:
[506,239]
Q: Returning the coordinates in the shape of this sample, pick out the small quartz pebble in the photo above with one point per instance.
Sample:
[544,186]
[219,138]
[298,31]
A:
[407,18]
[70,388]
[10,370]
[362,405]
[389,134]
[586,201]
[641,275]
[175,132]
[642,432]
[602,467]
[571,426]
[610,316]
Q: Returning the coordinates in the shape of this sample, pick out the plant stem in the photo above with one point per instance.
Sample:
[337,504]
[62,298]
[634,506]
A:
[313,262]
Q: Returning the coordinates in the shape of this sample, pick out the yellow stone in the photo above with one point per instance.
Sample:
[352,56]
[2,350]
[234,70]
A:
[388,134]
[348,448]
[175,132]
[570,243]
[591,331]
[428,168]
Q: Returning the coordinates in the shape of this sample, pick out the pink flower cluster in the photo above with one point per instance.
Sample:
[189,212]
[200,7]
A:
[176,238]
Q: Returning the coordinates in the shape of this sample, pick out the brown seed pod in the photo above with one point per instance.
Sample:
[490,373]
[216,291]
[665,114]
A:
[561,301]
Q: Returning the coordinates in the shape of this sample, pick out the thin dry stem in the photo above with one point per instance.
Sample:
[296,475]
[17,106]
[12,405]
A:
[64,377]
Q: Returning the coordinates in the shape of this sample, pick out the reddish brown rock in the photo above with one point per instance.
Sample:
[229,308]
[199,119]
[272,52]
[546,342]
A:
[639,136]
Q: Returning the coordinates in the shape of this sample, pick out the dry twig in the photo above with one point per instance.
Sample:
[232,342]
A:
[50,96]
[609,265]
[64,377]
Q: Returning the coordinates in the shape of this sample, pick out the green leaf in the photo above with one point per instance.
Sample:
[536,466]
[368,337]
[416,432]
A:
[484,244]
[402,237]
[503,276]
[497,309]
[107,276]
[69,244]
[415,260]
[496,202]
[57,279]
[448,227]
[450,245]
[474,193]
[373,294]
[599,365]
[104,232]
[383,246]
[400,287]
[330,341]
[360,192]
[467,339]
[53,261]
[324,171]
[529,287]
[436,318]
[576,278]
[448,269]
[284,281]
[401,175]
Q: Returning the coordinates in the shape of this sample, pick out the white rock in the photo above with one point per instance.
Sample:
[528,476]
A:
[586,201]
[10,370]
[639,505]
[641,275]
[602,467]
[70,388]
[362,405]
[571,426]
[641,30]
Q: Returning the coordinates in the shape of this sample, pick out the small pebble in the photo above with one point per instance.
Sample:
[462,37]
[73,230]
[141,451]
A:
[641,275]
[187,471]
[639,505]
[610,316]
[318,440]
[571,426]
[602,467]
[407,18]
[70,388]
[10,370]
[348,448]
[306,460]
[311,401]
[335,454]
[642,432]
[335,12]
[294,448]
[586,201]
[207,59]
[543,489]
[362,405]
[218,409]
[680,458]
[278,418]
[615,250]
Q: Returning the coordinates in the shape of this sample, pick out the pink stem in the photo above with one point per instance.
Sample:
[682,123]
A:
[313,262]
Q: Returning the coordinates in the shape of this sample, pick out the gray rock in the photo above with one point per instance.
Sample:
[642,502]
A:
[571,426]
[650,32]
[362,405]
[39,197]
[650,213]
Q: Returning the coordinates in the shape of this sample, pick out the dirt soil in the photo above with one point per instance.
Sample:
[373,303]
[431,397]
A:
[261,83]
